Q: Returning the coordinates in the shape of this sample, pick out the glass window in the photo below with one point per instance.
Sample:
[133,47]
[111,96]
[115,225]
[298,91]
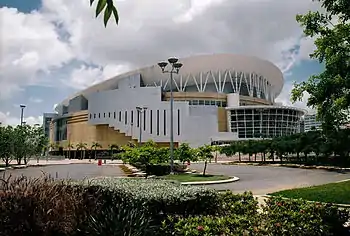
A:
[207,102]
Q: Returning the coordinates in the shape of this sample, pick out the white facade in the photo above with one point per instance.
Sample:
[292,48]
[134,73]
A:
[196,125]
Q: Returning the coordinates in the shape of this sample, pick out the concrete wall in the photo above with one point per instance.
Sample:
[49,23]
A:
[117,109]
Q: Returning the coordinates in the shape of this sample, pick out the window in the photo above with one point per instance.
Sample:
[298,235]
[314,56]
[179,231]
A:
[99,115]
[114,114]
[164,127]
[126,117]
[144,119]
[104,115]
[157,122]
[138,118]
[178,122]
[94,115]
[150,121]
[90,116]
[109,115]
[132,117]
[120,116]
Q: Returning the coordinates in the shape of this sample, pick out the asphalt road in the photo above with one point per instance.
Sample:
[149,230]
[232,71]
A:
[264,179]
[73,171]
[258,179]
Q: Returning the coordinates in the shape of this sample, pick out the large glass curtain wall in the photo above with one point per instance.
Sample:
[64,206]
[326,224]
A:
[264,122]
[61,129]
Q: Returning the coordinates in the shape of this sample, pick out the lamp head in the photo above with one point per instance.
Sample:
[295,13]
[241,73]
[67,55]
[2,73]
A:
[172,60]
[177,65]
[162,65]
[22,106]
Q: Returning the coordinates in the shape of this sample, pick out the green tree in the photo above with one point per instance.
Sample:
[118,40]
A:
[329,91]
[108,7]
[205,153]
[94,147]
[82,148]
[6,144]
[112,148]
[184,153]
[70,146]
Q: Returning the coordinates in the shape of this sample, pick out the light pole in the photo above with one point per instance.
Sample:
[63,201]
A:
[22,106]
[140,111]
[174,69]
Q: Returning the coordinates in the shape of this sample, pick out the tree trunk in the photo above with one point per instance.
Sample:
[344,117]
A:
[239,156]
[249,156]
[205,167]
[254,157]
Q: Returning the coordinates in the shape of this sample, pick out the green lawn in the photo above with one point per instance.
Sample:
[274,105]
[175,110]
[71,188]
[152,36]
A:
[195,177]
[333,193]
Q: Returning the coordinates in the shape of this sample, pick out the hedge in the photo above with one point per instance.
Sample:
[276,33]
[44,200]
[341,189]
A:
[142,207]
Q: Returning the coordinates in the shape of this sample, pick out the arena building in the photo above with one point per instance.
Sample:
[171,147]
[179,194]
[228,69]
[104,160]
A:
[217,98]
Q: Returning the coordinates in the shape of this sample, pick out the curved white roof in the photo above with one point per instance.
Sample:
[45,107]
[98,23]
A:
[197,64]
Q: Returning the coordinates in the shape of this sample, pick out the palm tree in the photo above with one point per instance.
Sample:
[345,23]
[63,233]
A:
[113,147]
[81,147]
[94,146]
[69,146]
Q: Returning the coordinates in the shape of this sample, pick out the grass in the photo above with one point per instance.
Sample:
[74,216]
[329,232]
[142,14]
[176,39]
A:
[333,193]
[195,177]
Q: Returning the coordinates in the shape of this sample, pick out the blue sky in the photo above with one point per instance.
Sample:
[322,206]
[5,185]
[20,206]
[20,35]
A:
[56,47]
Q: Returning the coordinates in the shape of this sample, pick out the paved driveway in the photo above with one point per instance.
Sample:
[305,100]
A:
[72,171]
[266,179]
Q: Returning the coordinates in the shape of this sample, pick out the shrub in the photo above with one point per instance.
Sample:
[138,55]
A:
[158,170]
[298,217]
[160,197]
[236,215]
[38,207]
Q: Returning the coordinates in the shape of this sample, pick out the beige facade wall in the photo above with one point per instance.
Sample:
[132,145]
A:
[79,131]
[222,119]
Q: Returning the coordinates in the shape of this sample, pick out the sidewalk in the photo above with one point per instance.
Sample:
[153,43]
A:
[43,162]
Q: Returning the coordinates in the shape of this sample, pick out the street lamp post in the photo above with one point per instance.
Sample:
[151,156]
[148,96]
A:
[22,106]
[174,69]
[140,111]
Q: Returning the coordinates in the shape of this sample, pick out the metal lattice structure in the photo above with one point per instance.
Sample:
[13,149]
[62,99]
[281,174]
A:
[227,81]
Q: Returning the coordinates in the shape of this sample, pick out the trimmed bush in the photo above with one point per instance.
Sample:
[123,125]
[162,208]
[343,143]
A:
[160,197]
[158,170]
[298,217]
[237,215]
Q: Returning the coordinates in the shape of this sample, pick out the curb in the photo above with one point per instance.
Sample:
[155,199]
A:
[285,198]
[232,179]
[330,168]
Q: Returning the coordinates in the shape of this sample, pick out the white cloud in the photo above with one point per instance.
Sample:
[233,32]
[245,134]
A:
[9,119]
[285,98]
[35,100]
[85,76]
[29,44]
[149,31]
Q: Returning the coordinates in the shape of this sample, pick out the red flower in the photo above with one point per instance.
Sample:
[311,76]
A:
[200,228]
[278,203]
